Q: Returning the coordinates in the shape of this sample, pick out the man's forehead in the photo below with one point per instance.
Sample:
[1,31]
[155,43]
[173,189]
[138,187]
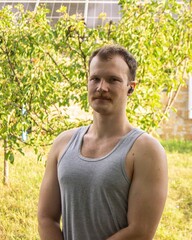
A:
[115,60]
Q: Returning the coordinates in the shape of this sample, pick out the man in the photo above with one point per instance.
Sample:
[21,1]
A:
[108,180]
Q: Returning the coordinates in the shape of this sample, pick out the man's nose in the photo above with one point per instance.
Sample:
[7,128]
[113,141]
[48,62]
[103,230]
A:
[102,86]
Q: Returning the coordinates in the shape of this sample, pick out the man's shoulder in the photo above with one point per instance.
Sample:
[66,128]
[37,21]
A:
[65,135]
[149,157]
[61,141]
[148,141]
[149,146]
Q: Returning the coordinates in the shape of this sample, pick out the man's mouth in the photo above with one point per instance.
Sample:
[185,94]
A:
[102,98]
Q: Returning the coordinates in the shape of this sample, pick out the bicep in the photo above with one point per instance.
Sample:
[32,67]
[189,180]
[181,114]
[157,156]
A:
[148,191]
[49,198]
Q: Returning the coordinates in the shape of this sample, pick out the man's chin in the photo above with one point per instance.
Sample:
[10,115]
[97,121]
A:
[102,110]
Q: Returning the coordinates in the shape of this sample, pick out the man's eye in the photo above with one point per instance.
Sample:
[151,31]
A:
[113,80]
[95,79]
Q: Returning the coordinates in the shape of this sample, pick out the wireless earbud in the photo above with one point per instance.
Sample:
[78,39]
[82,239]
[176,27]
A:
[130,90]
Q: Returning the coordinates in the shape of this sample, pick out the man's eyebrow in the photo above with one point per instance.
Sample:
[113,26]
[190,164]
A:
[93,75]
[116,76]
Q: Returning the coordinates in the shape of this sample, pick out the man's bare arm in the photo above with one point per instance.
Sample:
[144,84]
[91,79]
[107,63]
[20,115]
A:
[148,191]
[49,207]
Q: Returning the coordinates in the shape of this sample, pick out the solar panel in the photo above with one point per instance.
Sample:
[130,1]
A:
[90,9]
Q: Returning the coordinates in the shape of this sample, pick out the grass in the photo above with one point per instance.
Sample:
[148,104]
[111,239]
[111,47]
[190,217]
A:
[176,223]
[18,201]
[178,146]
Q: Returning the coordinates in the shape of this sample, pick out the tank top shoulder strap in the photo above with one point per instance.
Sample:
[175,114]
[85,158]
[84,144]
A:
[129,139]
[134,134]
[75,140]
[126,145]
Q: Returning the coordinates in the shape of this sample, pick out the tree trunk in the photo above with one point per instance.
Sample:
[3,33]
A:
[6,165]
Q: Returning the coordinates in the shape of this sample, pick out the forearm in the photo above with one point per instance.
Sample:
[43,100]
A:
[130,233]
[49,230]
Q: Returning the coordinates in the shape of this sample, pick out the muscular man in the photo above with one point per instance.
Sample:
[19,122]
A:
[107,181]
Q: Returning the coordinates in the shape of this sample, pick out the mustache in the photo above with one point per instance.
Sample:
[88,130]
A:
[101,96]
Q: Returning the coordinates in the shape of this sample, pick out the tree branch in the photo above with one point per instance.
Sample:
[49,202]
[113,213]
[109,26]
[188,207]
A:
[58,67]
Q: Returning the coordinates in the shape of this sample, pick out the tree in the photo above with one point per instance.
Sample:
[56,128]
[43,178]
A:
[43,68]
[30,81]
[159,35]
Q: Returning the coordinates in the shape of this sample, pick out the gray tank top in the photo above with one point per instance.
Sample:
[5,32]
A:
[94,192]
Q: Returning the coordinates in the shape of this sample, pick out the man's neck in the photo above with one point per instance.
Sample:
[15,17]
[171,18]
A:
[106,126]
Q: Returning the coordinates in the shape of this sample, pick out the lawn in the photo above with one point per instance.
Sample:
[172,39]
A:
[18,201]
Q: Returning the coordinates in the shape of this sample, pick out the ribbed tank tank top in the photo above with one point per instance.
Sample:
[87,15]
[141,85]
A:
[94,192]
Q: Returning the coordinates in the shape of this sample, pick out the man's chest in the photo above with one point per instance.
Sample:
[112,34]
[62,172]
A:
[98,148]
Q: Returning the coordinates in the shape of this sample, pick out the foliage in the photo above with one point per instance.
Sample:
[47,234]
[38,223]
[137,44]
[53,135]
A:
[19,201]
[43,68]
[31,88]
[176,146]
[159,35]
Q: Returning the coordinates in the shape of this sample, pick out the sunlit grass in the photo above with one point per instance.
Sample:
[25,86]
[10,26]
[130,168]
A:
[18,201]
[176,223]
[178,146]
